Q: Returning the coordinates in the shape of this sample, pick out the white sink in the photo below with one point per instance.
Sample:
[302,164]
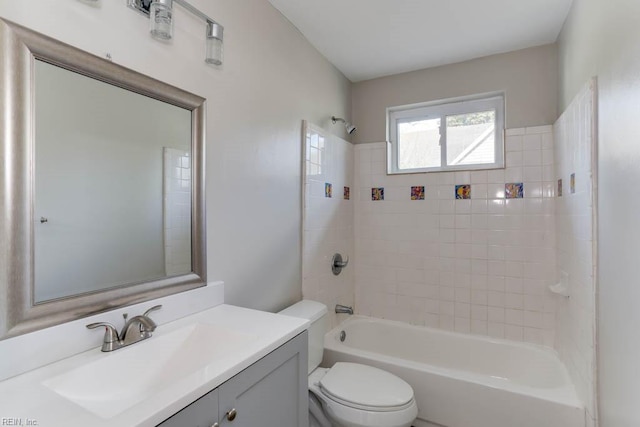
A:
[125,377]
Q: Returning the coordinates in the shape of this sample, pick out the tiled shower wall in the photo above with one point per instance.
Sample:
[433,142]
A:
[574,136]
[479,265]
[328,218]
[177,211]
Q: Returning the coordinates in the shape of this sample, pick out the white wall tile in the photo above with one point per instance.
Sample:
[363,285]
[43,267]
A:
[479,177]
[515,131]
[477,266]
[496,330]
[328,223]
[480,251]
[514,158]
[575,322]
[495,176]
[177,212]
[532,141]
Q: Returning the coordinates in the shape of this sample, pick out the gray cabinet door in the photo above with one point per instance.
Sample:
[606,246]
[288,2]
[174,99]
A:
[273,392]
[201,413]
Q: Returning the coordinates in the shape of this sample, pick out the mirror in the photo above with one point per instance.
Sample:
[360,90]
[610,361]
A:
[112,186]
[103,185]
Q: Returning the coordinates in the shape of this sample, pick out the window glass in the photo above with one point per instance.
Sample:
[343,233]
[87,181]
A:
[471,138]
[419,144]
[461,134]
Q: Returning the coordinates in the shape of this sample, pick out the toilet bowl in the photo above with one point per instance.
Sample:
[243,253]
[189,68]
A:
[350,394]
[355,395]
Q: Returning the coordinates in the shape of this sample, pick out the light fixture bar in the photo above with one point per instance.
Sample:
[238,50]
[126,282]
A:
[140,6]
[214,31]
[214,34]
[143,6]
[193,10]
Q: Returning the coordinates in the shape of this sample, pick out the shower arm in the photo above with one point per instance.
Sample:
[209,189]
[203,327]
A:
[349,126]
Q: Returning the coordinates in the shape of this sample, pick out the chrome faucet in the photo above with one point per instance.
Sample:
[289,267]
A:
[344,309]
[136,329]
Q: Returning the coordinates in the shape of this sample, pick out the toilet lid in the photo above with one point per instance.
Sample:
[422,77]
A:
[365,386]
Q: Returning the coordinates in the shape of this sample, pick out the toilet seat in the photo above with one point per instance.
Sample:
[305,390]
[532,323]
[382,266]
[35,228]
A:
[369,408]
[365,387]
[371,404]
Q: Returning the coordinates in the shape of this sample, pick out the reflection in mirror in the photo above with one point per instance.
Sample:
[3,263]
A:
[112,186]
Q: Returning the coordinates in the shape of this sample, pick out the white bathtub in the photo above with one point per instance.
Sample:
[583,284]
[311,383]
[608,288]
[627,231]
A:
[463,380]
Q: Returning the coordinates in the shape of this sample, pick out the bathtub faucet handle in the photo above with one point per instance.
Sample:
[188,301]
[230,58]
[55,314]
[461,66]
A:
[344,309]
[342,264]
[337,264]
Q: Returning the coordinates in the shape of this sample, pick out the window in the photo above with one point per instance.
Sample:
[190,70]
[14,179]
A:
[448,135]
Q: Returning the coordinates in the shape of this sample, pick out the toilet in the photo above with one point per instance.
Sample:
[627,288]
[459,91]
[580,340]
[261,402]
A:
[350,394]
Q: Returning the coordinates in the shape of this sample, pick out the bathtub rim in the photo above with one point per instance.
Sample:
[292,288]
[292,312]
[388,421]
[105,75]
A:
[565,394]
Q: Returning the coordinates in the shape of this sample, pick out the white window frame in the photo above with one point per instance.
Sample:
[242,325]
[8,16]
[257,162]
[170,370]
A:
[442,109]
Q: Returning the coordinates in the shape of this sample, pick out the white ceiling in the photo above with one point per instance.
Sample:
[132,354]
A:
[372,38]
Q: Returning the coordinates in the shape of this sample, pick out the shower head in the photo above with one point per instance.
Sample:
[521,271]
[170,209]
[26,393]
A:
[348,126]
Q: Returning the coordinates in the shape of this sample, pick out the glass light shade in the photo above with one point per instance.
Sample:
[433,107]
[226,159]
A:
[161,20]
[213,54]
[214,43]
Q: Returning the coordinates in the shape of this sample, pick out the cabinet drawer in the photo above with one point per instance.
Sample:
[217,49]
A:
[201,413]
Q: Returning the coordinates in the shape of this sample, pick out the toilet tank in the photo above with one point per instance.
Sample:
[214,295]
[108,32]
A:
[316,313]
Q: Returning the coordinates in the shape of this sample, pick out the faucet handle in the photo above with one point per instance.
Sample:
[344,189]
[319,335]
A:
[110,333]
[154,308]
[111,337]
[146,329]
[337,264]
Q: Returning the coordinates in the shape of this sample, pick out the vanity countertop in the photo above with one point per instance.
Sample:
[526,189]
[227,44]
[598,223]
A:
[30,398]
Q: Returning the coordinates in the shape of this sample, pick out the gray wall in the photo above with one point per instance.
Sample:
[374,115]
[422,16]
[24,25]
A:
[602,38]
[271,80]
[579,49]
[529,78]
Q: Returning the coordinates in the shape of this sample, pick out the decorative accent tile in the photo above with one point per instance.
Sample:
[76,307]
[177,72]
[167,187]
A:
[347,193]
[559,188]
[417,193]
[377,193]
[572,183]
[463,191]
[514,190]
[328,190]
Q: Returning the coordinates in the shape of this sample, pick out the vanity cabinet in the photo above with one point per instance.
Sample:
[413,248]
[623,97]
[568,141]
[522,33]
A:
[273,392]
[201,413]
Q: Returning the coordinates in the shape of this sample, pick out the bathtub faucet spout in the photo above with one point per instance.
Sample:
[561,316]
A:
[344,309]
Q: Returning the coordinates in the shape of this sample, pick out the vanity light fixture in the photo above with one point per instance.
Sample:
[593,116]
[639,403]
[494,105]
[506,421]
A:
[161,19]
[160,13]
[213,51]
